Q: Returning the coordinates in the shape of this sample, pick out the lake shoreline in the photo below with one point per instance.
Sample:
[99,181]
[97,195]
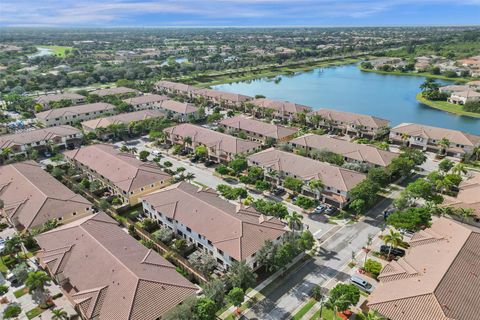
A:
[421,74]
[446,107]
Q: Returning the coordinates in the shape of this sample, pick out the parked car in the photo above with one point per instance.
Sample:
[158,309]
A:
[331,211]
[183,152]
[321,208]
[388,212]
[155,153]
[362,284]
[194,159]
[407,233]
[397,252]
[278,191]
[47,154]
[209,163]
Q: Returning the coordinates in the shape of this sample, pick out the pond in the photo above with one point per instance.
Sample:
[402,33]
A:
[347,88]
[42,52]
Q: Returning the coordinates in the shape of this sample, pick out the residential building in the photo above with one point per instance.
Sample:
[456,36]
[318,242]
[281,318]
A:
[122,173]
[74,114]
[45,100]
[123,118]
[454,88]
[314,144]
[107,274]
[227,231]
[436,280]
[282,110]
[352,124]
[468,197]
[147,101]
[61,137]
[258,130]
[337,181]
[474,84]
[181,111]
[222,98]
[31,197]
[175,88]
[464,97]
[221,147]
[428,138]
[116,91]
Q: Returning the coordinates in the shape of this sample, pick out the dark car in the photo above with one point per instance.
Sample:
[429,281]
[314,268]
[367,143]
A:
[209,163]
[194,159]
[331,211]
[183,152]
[278,191]
[388,212]
[397,252]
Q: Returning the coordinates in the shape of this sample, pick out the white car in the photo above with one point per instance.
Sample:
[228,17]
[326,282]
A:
[155,153]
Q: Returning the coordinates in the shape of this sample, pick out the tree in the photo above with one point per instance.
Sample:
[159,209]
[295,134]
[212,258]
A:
[164,235]
[238,165]
[241,275]
[379,176]
[370,315]
[50,224]
[365,190]
[424,189]
[464,213]
[36,282]
[294,220]
[59,314]
[236,296]
[317,292]
[293,184]
[13,245]
[20,272]
[316,185]
[444,143]
[342,296]
[304,202]
[222,170]
[372,266]
[12,311]
[215,290]
[201,151]
[445,165]
[57,172]
[205,309]
[393,238]
[358,206]
[412,219]
[184,311]
[143,155]
[459,169]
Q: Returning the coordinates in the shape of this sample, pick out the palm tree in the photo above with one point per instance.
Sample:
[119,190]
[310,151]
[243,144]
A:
[464,213]
[405,138]
[59,314]
[367,247]
[476,153]
[13,245]
[444,143]
[459,168]
[316,185]
[394,238]
[189,176]
[294,220]
[315,120]
[6,152]
[335,302]
[36,282]
[186,141]
[370,315]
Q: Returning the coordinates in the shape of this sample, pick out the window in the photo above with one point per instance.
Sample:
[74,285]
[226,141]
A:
[220,251]
[189,230]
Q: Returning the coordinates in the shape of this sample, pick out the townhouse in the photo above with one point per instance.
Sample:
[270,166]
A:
[122,173]
[221,147]
[227,231]
[282,110]
[337,181]
[468,197]
[454,88]
[352,124]
[74,114]
[257,130]
[436,280]
[117,91]
[47,99]
[107,274]
[147,101]
[123,118]
[314,144]
[180,111]
[31,197]
[429,138]
[464,97]
[175,88]
[222,98]
[62,137]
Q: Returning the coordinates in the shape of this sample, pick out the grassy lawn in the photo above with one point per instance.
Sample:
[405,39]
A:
[446,106]
[58,50]
[34,312]
[327,314]
[20,292]
[304,309]
[417,74]
[3,267]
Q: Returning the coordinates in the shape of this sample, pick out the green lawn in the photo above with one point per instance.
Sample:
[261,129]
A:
[446,106]
[34,312]
[20,292]
[304,309]
[58,50]
[3,267]
[327,314]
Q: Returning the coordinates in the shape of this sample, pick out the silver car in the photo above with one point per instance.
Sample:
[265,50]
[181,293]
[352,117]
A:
[362,284]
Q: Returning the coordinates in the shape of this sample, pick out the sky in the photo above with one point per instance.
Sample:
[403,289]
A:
[191,13]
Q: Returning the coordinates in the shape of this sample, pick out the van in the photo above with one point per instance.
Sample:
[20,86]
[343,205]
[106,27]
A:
[362,284]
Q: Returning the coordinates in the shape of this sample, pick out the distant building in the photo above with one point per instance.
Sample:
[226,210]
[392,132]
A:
[257,130]
[337,181]
[31,197]
[107,274]
[427,138]
[282,110]
[147,101]
[221,98]
[464,97]
[122,173]
[229,232]
[438,278]
[63,137]
[180,111]
[454,88]
[175,88]
[350,151]
[221,147]
[74,114]
[45,100]
[116,91]
[349,123]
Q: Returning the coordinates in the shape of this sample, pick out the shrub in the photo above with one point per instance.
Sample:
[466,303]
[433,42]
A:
[149,225]
[164,235]
[12,310]
[3,289]
[304,202]
[372,266]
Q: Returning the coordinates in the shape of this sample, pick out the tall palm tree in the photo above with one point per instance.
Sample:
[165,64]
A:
[335,302]
[316,185]
[294,220]
[36,282]
[459,168]
[444,143]
[405,138]
[394,239]
[59,314]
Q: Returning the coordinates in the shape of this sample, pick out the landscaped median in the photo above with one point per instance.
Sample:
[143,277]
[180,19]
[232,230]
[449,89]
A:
[446,106]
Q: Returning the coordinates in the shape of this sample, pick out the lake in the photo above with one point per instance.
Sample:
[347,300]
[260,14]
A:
[349,89]
[41,52]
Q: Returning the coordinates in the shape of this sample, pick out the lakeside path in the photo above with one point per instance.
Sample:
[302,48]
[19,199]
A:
[446,106]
